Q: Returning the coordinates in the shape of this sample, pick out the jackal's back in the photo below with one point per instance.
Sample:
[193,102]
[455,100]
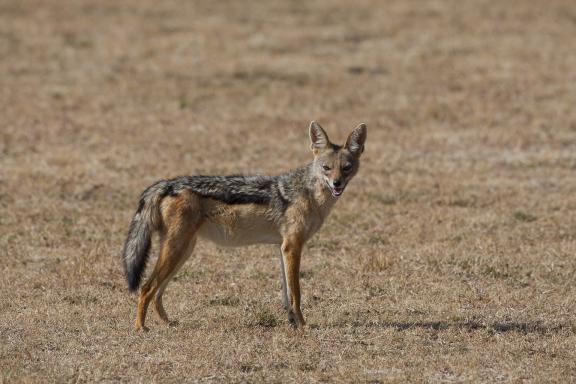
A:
[275,191]
[228,189]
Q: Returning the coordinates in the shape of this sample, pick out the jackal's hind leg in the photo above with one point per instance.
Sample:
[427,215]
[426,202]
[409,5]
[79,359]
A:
[171,259]
[180,218]
[158,298]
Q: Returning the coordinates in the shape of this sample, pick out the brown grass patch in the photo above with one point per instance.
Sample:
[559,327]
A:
[450,258]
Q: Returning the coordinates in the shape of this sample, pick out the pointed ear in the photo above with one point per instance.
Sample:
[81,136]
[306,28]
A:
[318,138]
[356,139]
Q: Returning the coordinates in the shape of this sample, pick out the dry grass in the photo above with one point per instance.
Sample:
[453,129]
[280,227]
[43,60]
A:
[449,259]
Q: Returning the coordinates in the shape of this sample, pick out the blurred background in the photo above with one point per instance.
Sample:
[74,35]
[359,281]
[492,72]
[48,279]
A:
[449,258]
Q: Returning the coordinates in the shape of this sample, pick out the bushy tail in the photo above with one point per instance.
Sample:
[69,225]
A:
[144,223]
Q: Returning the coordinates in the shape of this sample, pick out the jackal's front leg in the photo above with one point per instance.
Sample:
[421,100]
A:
[291,252]
[285,294]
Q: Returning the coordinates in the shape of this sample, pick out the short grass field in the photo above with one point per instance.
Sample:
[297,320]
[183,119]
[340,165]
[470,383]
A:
[451,257]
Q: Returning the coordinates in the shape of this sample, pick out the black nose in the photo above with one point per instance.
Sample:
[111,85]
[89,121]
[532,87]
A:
[337,183]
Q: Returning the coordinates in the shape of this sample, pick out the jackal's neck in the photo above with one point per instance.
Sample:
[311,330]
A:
[318,189]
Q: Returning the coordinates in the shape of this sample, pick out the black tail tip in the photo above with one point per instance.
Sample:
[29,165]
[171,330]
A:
[133,281]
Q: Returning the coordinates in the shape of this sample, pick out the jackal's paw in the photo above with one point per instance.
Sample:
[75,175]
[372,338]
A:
[294,322]
[292,319]
[142,328]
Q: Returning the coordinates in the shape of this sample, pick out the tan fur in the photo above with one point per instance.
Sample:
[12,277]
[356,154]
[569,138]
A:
[237,225]
[180,222]
[188,216]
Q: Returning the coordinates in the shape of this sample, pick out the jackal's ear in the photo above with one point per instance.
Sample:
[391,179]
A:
[319,139]
[356,139]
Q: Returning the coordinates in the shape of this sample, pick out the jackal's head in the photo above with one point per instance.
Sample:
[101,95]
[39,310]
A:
[336,165]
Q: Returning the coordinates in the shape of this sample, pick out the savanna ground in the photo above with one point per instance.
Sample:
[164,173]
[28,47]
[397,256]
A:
[450,257]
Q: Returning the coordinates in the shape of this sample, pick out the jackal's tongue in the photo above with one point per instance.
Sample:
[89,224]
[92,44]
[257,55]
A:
[336,191]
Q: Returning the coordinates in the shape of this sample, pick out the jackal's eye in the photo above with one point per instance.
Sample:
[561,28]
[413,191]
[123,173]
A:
[325,167]
[347,167]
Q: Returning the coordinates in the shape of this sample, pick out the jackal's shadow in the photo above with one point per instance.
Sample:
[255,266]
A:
[495,327]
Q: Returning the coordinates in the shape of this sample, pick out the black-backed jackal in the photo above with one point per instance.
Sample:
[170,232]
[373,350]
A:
[239,210]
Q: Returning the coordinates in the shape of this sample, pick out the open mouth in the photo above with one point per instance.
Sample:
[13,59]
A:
[336,191]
